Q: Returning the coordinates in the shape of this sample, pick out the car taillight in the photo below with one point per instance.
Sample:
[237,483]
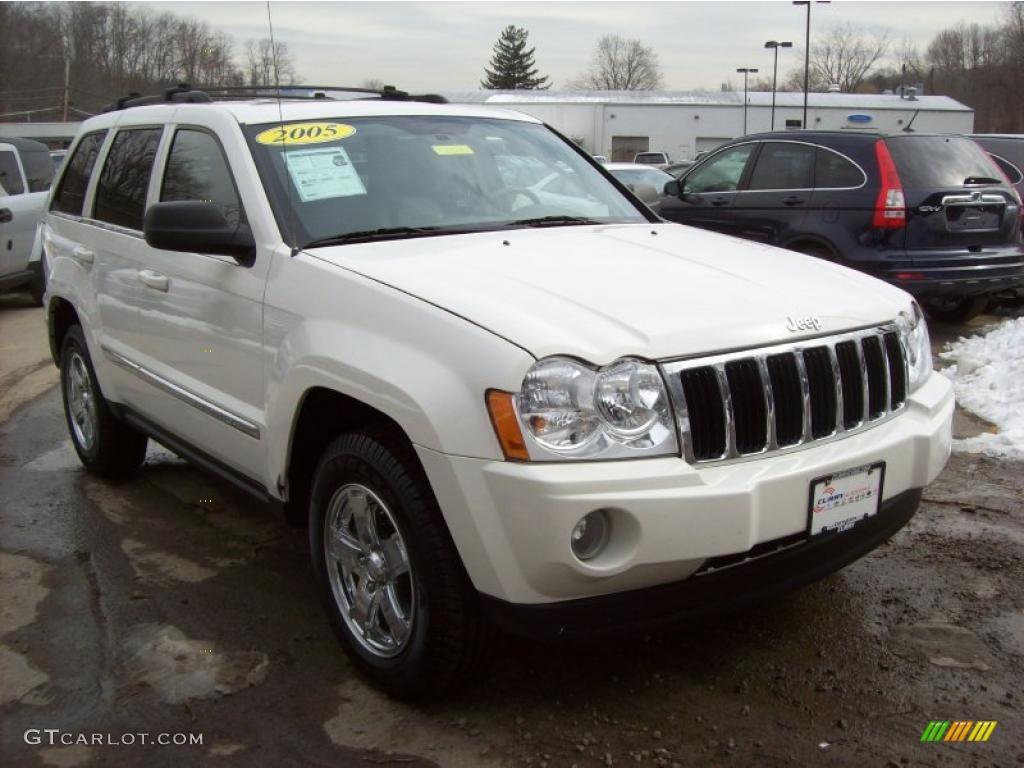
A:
[891,205]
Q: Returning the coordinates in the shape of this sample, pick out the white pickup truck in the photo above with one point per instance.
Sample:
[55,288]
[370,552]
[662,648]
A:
[556,415]
[26,171]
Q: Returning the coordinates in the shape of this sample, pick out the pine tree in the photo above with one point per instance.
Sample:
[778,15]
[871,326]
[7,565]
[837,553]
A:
[512,66]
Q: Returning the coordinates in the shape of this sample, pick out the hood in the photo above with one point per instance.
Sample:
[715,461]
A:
[656,291]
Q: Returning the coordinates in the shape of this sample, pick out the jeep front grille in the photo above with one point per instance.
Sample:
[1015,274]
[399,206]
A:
[787,396]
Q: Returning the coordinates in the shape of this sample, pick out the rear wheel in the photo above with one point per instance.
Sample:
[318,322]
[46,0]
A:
[388,572]
[107,447]
[956,309]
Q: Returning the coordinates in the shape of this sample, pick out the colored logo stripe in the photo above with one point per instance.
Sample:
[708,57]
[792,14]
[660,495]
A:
[958,730]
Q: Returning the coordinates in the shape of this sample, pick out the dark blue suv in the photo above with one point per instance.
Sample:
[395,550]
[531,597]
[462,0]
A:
[931,213]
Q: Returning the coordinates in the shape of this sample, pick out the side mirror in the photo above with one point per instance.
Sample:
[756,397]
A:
[193,226]
[672,189]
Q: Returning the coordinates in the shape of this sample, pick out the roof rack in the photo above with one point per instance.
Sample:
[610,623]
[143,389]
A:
[185,93]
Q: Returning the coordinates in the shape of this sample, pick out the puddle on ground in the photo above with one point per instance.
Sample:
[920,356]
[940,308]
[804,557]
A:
[63,457]
[21,591]
[179,669]
[941,644]
[155,566]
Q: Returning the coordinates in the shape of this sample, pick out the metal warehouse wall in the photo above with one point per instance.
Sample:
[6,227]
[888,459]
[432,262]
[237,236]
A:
[683,130]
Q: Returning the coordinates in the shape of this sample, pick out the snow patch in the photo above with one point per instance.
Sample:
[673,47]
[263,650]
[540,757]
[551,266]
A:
[987,372]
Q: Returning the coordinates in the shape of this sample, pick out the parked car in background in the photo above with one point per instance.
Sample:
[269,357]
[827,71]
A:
[657,159]
[645,182]
[932,214]
[57,156]
[26,173]
[601,159]
[679,167]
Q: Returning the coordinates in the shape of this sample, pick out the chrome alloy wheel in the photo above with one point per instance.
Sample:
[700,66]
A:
[81,402]
[368,568]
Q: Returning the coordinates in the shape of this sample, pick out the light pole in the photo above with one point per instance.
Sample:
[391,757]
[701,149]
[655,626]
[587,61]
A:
[775,45]
[746,71]
[807,52]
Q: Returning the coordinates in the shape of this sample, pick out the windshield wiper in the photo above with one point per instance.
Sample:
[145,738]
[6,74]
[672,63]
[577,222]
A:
[552,221]
[382,233]
[981,180]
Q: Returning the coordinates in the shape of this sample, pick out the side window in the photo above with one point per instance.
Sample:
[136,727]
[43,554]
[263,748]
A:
[71,192]
[722,173]
[10,175]
[198,170]
[783,166]
[1013,173]
[121,194]
[835,171]
[38,170]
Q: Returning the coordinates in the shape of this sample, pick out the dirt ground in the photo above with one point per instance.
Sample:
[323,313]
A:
[170,605]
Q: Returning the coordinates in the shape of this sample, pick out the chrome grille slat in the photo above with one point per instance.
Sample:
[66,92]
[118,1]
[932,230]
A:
[727,384]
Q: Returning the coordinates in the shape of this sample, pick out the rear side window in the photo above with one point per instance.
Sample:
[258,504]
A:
[38,170]
[121,194]
[71,191]
[10,176]
[1013,173]
[783,166]
[941,161]
[833,171]
[198,170]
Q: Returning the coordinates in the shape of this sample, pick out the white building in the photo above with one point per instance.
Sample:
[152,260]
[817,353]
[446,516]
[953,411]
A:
[618,124]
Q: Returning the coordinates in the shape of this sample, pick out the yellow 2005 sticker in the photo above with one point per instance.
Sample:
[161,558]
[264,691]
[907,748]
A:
[304,133]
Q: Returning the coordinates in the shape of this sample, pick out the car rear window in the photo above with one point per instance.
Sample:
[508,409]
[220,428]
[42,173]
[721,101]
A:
[1013,173]
[940,161]
[38,169]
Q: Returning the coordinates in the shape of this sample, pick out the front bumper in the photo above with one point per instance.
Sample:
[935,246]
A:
[511,522]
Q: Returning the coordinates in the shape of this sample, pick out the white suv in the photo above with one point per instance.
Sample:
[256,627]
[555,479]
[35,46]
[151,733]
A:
[555,416]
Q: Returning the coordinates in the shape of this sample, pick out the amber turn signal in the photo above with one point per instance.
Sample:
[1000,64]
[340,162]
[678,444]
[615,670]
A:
[506,425]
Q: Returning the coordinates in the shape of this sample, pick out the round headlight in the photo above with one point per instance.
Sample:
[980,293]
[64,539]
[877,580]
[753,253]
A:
[630,397]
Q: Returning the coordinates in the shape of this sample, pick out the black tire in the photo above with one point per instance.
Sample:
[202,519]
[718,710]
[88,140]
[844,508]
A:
[116,450]
[956,310]
[448,632]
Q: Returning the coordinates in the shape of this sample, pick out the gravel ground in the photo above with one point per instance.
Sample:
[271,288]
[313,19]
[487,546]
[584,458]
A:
[170,604]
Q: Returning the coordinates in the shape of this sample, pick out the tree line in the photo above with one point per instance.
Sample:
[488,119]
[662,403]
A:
[110,49]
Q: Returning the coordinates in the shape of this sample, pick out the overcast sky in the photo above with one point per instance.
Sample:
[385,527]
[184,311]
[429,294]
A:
[438,46]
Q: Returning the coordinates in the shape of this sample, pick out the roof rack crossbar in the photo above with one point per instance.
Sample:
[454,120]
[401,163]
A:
[185,93]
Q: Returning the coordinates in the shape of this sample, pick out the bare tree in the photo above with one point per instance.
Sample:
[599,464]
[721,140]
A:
[845,56]
[621,65]
[261,58]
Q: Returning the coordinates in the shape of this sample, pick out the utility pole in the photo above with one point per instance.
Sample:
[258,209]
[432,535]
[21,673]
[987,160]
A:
[807,53]
[746,71]
[775,45]
[67,85]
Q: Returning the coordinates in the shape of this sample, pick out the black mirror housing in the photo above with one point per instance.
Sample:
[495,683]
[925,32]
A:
[673,189]
[192,226]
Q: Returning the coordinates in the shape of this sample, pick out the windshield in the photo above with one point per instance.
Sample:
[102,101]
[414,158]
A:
[402,176]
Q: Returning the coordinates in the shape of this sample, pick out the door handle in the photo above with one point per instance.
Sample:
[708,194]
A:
[154,280]
[793,200]
[6,215]
[83,255]
[717,201]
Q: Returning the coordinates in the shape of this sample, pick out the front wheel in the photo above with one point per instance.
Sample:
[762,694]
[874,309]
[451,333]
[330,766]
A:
[959,309]
[388,572]
[107,447]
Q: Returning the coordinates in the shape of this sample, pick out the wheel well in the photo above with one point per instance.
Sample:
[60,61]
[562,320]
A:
[62,317]
[323,415]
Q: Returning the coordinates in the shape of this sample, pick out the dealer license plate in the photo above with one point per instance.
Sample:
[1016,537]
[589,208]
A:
[841,500]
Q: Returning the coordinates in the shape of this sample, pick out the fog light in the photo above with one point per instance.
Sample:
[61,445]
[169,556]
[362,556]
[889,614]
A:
[590,535]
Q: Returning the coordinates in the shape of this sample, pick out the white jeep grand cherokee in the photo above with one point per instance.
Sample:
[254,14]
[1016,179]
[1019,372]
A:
[552,413]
